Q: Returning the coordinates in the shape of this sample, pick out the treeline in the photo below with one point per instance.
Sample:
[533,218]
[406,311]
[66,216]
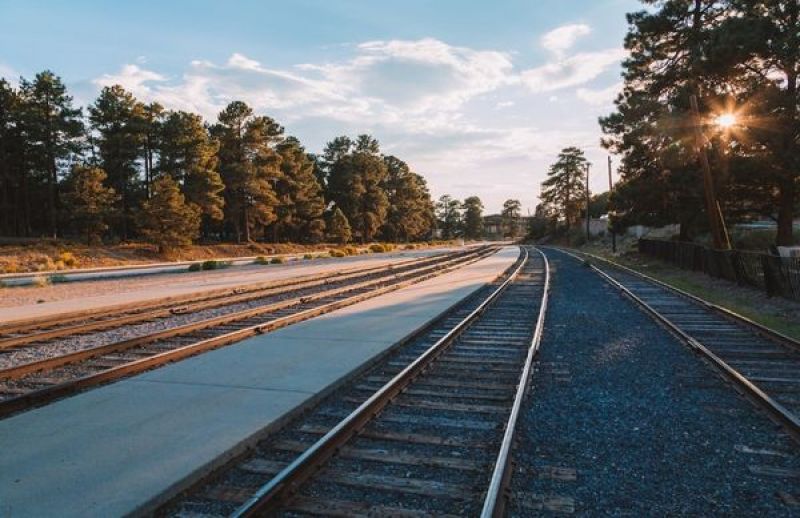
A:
[465,219]
[124,169]
[740,59]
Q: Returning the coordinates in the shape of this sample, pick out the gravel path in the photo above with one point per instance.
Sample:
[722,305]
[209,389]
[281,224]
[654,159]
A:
[623,419]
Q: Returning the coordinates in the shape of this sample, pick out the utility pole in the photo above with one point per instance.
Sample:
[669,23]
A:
[587,201]
[610,227]
[719,234]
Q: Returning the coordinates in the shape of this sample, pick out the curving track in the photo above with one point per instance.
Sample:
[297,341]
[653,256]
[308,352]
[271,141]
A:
[427,431]
[58,374]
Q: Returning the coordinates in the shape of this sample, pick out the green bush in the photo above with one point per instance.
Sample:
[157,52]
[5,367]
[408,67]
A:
[261,260]
[377,248]
[55,279]
[350,250]
[337,253]
[308,257]
[195,267]
[277,260]
[410,247]
[215,265]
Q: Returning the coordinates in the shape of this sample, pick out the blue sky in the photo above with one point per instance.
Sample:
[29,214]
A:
[477,96]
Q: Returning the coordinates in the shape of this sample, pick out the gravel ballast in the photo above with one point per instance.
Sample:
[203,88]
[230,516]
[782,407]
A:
[648,427]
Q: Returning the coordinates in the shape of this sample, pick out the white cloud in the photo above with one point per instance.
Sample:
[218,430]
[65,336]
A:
[132,78]
[439,106]
[601,97]
[572,71]
[561,39]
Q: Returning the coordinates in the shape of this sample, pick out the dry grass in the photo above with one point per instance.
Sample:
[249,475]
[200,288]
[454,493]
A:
[49,255]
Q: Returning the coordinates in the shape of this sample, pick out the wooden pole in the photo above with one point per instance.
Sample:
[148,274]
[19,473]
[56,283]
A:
[719,234]
[611,228]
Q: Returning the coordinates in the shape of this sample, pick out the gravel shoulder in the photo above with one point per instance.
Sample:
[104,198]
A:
[622,419]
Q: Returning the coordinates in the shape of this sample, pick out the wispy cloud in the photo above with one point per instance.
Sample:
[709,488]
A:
[571,71]
[561,39]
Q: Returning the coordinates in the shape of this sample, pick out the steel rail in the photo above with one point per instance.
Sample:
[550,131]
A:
[497,496]
[40,396]
[730,314]
[18,371]
[774,408]
[281,487]
[93,320]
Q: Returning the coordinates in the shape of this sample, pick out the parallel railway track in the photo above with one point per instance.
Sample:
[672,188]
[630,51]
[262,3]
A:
[43,330]
[33,383]
[427,431]
[762,363]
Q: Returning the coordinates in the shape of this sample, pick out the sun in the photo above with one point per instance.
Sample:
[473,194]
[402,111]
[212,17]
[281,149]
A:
[725,120]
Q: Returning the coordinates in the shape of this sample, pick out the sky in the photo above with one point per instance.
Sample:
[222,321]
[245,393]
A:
[477,96]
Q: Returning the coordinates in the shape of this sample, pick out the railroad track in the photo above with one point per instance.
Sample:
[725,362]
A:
[427,431]
[762,363]
[39,331]
[34,383]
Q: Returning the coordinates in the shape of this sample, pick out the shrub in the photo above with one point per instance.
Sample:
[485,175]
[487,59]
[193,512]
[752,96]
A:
[351,250]
[308,257]
[45,263]
[41,281]
[59,265]
[11,266]
[261,260]
[69,259]
[377,248]
[337,253]
[277,260]
[214,265]
[195,267]
[410,247]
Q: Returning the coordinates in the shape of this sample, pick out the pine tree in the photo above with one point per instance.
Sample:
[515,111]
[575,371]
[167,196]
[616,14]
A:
[300,202]
[355,177]
[53,130]
[249,165]
[151,120]
[408,214]
[15,201]
[88,203]
[563,191]
[116,119]
[167,220]
[448,211]
[188,154]
[473,218]
[510,216]
[339,228]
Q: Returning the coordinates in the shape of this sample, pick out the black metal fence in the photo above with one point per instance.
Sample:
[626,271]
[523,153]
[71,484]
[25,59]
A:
[778,276]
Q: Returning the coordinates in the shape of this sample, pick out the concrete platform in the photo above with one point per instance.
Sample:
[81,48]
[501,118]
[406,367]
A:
[85,296]
[109,451]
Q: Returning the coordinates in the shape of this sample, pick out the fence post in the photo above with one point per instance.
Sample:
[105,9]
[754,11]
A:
[770,282]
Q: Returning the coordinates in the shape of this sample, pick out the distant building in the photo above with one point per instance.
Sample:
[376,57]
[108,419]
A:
[493,227]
